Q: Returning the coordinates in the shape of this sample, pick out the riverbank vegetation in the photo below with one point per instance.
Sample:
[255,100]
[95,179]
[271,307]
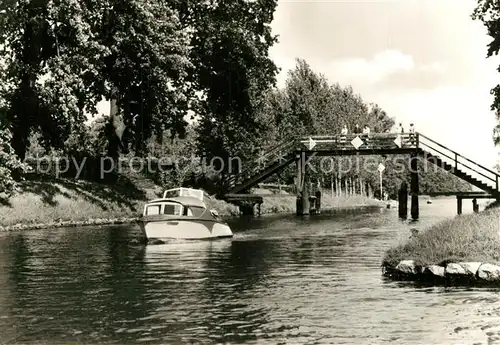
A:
[467,238]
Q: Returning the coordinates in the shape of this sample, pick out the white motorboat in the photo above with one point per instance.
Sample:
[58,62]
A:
[182,214]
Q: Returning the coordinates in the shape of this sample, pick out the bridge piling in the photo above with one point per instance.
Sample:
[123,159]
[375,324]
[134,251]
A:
[306,202]
[475,205]
[414,190]
[403,200]
[299,207]
[302,203]
[318,201]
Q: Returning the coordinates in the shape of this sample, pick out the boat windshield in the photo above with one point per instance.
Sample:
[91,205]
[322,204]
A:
[172,209]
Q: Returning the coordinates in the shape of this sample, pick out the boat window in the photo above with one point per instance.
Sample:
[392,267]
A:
[153,210]
[196,211]
[194,193]
[172,193]
[173,209]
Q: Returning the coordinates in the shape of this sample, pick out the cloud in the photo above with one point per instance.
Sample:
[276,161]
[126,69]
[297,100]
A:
[373,70]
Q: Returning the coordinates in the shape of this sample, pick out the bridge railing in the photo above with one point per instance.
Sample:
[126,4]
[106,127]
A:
[254,166]
[459,161]
[372,141]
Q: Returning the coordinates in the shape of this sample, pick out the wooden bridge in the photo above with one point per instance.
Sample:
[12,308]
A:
[300,150]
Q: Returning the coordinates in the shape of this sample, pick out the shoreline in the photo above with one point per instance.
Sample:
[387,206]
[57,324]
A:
[132,220]
[65,203]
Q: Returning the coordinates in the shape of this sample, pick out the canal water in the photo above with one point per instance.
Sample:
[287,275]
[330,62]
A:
[280,280]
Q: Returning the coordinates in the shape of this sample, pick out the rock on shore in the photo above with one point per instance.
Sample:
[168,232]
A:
[459,271]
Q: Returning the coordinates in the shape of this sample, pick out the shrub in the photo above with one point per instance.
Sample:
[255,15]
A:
[9,165]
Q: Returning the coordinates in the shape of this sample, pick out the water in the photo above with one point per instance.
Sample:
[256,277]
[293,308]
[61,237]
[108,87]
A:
[279,280]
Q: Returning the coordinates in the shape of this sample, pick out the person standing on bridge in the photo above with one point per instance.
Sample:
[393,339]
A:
[401,130]
[356,129]
[343,134]
[366,134]
[412,134]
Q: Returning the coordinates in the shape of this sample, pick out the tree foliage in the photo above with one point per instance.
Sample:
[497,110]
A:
[63,56]
[309,104]
[9,164]
[232,70]
[488,12]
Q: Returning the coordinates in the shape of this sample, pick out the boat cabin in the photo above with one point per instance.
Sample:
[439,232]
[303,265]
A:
[183,206]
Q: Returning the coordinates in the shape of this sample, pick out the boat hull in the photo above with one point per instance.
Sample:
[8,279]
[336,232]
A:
[185,229]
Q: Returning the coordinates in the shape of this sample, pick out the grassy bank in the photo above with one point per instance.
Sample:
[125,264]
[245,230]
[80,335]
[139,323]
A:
[468,238]
[64,203]
[56,202]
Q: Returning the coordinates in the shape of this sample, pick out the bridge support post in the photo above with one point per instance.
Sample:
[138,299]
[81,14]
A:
[306,203]
[459,204]
[414,190]
[475,205]
[302,203]
[403,200]
[318,201]
[299,206]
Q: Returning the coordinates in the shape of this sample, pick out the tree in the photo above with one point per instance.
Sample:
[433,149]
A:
[230,45]
[488,12]
[63,57]
[9,165]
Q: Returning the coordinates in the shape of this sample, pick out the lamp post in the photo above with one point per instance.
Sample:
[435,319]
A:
[381,169]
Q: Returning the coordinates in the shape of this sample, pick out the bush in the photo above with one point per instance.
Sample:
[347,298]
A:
[9,165]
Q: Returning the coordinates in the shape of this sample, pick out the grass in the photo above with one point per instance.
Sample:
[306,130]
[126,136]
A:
[49,201]
[471,237]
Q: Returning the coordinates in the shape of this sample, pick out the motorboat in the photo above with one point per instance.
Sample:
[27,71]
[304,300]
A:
[182,214]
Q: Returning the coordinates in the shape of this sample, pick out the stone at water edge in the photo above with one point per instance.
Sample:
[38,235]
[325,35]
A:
[470,267]
[407,267]
[454,269]
[489,272]
[435,270]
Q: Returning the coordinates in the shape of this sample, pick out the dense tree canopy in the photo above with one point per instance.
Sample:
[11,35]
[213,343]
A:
[64,56]
[233,70]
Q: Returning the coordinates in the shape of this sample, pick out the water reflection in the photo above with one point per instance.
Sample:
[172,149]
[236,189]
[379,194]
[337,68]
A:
[206,289]
[72,284]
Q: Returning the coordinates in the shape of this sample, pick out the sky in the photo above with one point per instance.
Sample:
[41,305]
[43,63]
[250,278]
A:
[422,61]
